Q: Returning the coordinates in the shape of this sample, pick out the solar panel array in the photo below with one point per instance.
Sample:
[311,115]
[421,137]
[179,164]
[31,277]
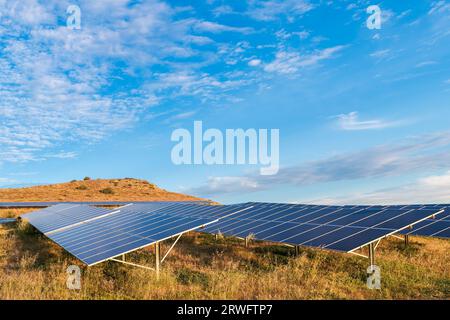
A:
[331,227]
[96,234]
[437,227]
[116,232]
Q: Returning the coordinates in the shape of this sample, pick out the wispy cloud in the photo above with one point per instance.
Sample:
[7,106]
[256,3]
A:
[417,154]
[439,7]
[7,181]
[267,10]
[379,54]
[227,185]
[351,121]
[62,155]
[71,95]
[425,63]
[291,62]
[431,189]
[208,26]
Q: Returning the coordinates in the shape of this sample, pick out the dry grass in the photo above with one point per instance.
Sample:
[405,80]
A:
[94,190]
[32,267]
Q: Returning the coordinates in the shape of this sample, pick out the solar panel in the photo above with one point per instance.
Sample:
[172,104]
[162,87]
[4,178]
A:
[96,234]
[124,231]
[438,227]
[331,227]
[62,216]
[7,220]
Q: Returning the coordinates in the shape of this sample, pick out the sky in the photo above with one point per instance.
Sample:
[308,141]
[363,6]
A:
[362,113]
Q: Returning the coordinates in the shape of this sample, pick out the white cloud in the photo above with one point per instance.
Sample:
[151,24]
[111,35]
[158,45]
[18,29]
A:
[290,62]
[213,27]
[437,181]
[223,10]
[63,155]
[425,63]
[60,86]
[439,7]
[351,121]
[417,154]
[302,34]
[380,53]
[267,10]
[432,189]
[224,185]
[254,62]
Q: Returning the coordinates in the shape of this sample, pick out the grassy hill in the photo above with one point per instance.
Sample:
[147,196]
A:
[201,267]
[127,189]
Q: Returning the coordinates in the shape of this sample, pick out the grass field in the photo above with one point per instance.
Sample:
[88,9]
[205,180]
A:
[200,267]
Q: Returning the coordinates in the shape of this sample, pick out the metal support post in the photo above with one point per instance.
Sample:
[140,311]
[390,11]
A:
[157,258]
[406,240]
[372,254]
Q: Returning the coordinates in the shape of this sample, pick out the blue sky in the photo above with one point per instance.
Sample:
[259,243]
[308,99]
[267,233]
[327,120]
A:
[363,114]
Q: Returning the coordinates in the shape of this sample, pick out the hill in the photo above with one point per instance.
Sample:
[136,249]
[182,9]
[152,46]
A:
[127,189]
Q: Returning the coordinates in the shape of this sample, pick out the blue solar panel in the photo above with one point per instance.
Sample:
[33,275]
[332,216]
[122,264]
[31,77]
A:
[344,228]
[128,230]
[96,234]
[62,216]
[438,227]
[7,220]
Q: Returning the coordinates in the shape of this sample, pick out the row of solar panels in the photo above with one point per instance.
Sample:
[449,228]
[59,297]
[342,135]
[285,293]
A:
[95,234]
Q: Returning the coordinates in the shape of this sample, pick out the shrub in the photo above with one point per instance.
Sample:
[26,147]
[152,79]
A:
[186,277]
[107,191]
[86,178]
[82,187]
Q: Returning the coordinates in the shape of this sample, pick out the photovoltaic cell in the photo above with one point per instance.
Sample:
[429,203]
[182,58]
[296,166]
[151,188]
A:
[62,216]
[96,234]
[438,227]
[134,227]
[341,228]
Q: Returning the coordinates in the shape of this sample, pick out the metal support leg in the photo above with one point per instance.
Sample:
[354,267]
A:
[216,236]
[246,242]
[123,257]
[157,258]
[406,240]
[372,254]
[297,251]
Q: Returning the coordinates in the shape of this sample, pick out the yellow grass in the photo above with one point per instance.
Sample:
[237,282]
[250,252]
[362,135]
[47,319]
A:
[32,267]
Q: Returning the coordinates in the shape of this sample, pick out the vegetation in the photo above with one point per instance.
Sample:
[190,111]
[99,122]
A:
[124,190]
[107,191]
[200,267]
[87,178]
